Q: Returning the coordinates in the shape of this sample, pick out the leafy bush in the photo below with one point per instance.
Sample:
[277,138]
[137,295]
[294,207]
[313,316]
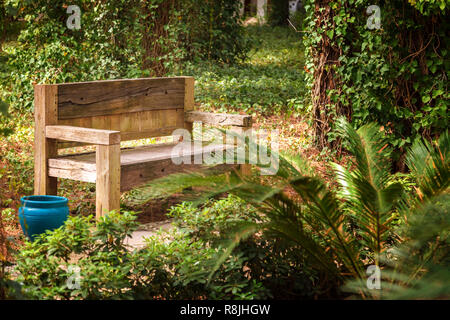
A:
[117,39]
[9,289]
[278,12]
[5,130]
[395,76]
[108,269]
[429,6]
[279,266]
[48,52]
[418,267]
[177,264]
[212,31]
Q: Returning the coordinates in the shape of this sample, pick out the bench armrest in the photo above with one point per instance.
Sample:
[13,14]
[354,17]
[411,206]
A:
[223,119]
[85,135]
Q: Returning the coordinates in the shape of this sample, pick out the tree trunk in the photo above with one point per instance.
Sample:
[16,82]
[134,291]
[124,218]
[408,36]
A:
[325,56]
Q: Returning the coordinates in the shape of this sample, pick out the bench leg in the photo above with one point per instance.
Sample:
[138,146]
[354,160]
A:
[108,179]
[45,113]
[244,168]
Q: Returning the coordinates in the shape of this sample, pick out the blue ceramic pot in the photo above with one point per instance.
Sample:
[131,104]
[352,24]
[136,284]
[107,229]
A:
[41,213]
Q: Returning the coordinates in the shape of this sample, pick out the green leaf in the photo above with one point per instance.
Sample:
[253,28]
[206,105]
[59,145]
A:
[4,108]
[426,99]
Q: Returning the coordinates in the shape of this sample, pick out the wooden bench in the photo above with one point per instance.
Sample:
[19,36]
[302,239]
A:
[104,113]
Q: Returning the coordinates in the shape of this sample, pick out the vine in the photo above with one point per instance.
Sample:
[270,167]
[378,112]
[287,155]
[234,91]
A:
[115,39]
[396,75]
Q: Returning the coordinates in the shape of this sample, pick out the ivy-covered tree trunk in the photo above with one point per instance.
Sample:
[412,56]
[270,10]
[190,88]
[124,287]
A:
[393,72]
[156,44]
[325,55]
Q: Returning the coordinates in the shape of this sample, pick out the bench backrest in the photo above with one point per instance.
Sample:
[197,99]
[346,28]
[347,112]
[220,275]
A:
[139,108]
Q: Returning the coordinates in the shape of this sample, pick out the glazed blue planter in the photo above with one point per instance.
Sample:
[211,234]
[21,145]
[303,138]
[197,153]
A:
[41,213]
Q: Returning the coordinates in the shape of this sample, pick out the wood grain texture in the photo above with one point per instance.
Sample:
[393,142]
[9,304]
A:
[189,102]
[85,135]
[84,162]
[45,113]
[222,119]
[161,151]
[73,174]
[100,98]
[245,168]
[132,126]
[136,175]
[107,181]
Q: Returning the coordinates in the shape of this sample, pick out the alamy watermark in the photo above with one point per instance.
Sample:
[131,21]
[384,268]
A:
[74,280]
[374,279]
[374,19]
[74,20]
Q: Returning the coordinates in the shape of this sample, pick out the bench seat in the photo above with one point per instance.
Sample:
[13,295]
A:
[138,165]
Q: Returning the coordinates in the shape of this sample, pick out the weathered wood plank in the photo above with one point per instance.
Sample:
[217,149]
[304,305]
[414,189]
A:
[222,119]
[87,164]
[245,168]
[133,126]
[134,175]
[45,113]
[161,151]
[138,174]
[85,135]
[73,174]
[100,98]
[107,179]
[189,102]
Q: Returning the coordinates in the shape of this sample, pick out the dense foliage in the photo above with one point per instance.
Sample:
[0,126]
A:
[172,265]
[212,30]
[116,39]
[344,232]
[278,12]
[396,76]
[288,236]
[107,269]
[269,243]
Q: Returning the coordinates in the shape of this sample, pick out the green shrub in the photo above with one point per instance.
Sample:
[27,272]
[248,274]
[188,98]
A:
[108,269]
[117,39]
[278,12]
[47,51]
[380,75]
[9,289]
[213,219]
[212,31]
[279,266]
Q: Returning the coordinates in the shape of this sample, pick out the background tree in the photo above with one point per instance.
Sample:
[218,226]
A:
[396,76]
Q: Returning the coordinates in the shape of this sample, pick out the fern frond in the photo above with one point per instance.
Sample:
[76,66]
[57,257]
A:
[430,165]
[370,196]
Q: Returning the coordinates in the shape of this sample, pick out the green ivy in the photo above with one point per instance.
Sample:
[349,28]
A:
[430,6]
[115,41]
[396,76]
